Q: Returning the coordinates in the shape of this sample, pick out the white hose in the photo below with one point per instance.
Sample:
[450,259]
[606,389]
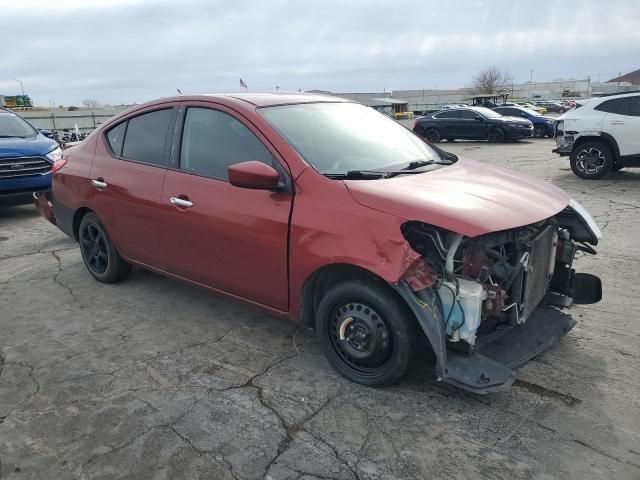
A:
[452,252]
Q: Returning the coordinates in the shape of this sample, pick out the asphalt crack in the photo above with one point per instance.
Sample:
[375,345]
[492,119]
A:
[565,398]
[56,278]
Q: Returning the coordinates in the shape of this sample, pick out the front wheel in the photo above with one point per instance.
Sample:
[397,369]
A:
[98,252]
[591,160]
[539,131]
[367,332]
[496,135]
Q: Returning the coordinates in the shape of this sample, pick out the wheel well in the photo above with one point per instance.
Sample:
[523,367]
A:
[604,138]
[77,218]
[321,280]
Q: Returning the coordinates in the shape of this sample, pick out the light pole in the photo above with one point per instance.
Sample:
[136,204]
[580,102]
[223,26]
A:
[21,86]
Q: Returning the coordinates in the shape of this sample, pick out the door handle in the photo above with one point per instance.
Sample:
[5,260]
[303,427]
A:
[181,202]
[617,122]
[99,183]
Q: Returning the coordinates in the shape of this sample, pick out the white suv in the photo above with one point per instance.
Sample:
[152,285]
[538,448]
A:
[601,135]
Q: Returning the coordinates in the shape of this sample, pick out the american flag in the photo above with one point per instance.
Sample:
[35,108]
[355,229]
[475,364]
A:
[242,84]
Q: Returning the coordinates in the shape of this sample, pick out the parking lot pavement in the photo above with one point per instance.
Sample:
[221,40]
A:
[151,378]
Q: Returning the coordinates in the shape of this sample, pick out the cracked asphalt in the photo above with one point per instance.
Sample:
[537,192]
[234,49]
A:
[153,379]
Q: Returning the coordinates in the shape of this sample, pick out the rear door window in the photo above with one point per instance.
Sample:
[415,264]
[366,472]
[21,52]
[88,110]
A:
[449,114]
[146,135]
[619,106]
[213,140]
[468,114]
[634,106]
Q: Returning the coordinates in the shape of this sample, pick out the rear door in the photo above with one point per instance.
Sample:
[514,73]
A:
[127,178]
[623,123]
[470,126]
[447,123]
[229,238]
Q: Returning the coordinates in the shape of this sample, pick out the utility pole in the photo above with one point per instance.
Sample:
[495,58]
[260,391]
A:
[21,86]
[277,87]
[619,75]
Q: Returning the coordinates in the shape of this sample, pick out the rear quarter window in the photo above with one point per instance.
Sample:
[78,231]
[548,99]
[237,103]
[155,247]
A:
[115,138]
[619,106]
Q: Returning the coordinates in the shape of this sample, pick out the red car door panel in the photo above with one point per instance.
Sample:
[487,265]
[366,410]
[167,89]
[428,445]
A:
[232,239]
[229,238]
[127,194]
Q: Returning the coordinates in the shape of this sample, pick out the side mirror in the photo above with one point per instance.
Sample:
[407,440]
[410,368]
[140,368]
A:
[479,118]
[524,115]
[46,133]
[253,174]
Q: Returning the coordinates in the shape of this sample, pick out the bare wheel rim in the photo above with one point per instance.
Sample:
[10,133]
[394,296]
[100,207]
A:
[94,248]
[360,339]
[590,160]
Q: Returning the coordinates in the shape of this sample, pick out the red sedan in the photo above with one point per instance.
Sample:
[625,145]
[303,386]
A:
[335,216]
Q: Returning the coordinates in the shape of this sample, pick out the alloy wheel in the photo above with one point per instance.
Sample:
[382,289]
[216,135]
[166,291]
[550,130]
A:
[590,160]
[94,248]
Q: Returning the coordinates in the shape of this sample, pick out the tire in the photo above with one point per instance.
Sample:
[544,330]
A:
[591,160]
[98,252]
[496,135]
[616,168]
[378,339]
[432,135]
[539,131]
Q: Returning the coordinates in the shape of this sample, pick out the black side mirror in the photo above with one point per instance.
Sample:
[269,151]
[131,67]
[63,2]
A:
[523,115]
[479,118]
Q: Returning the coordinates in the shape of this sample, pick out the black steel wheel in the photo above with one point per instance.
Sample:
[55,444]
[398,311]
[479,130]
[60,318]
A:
[496,135]
[367,332]
[432,135]
[98,252]
[591,160]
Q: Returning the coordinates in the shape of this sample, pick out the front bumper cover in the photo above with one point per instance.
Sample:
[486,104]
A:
[490,367]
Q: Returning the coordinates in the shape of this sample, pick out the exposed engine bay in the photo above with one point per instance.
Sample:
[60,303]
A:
[497,280]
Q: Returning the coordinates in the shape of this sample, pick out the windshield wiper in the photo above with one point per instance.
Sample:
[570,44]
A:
[368,174]
[417,164]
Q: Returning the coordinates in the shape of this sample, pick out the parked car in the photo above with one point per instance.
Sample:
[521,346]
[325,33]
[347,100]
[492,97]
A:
[471,123]
[601,135]
[26,157]
[552,106]
[531,106]
[542,126]
[326,212]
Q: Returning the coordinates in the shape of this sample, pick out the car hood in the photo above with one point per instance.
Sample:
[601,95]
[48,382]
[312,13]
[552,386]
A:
[468,197]
[38,145]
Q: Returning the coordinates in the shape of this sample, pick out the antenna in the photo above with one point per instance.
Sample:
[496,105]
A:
[179,91]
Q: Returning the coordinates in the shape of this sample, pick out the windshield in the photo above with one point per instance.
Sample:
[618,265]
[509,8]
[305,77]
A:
[335,138]
[487,112]
[11,125]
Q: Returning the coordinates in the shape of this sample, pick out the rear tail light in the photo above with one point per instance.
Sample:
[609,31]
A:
[57,165]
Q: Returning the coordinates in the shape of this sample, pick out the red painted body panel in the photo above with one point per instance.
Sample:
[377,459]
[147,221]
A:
[232,239]
[469,197]
[240,241]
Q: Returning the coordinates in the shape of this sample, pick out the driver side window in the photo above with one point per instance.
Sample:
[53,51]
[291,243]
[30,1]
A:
[213,140]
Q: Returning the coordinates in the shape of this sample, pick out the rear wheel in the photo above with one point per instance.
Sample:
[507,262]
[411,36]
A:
[98,252]
[367,333]
[496,135]
[591,160]
[432,135]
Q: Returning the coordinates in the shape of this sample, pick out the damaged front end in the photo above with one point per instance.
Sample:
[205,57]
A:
[490,303]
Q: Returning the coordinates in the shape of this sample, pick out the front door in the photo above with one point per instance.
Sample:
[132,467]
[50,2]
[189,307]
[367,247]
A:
[623,123]
[229,238]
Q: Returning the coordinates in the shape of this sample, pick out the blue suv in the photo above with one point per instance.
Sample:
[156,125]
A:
[26,158]
[542,126]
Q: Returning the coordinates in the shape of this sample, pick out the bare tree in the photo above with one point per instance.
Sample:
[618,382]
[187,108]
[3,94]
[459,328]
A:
[90,103]
[492,80]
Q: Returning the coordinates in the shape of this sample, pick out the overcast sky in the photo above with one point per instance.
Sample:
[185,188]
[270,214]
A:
[123,51]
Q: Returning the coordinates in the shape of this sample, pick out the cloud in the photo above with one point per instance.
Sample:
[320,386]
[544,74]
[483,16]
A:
[123,51]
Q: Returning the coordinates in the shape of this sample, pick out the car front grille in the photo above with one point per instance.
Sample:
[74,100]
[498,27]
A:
[17,167]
